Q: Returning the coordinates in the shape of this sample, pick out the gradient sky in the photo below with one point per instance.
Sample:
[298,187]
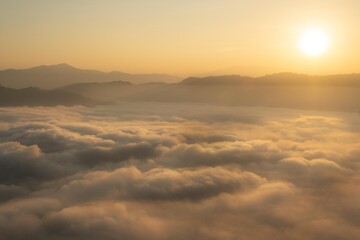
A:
[179,37]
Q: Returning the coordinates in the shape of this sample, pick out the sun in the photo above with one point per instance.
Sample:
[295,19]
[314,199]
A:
[314,42]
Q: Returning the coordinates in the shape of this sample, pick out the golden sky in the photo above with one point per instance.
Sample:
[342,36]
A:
[186,37]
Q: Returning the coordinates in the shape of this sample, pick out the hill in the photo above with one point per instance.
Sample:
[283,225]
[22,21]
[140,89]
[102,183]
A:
[38,97]
[285,90]
[49,77]
[278,79]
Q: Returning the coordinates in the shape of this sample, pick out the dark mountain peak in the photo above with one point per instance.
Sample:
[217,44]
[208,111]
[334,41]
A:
[60,67]
[64,66]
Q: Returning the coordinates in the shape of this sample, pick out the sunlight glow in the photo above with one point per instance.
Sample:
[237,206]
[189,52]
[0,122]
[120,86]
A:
[314,42]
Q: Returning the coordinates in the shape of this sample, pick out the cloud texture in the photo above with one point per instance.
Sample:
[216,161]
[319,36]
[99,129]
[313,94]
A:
[178,171]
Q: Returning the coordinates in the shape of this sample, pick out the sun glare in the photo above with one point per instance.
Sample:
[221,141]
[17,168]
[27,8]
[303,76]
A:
[314,42]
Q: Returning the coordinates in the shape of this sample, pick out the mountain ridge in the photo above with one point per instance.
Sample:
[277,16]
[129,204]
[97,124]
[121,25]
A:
[331,93]
[284,78]
[33,96]
[54,76]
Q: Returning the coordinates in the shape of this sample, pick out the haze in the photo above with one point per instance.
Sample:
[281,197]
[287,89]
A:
[179,120]
[182,38]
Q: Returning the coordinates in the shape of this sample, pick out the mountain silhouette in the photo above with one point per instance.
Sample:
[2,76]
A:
[37,97]
[49,77]
[118,90]
[284,90]
[285,79]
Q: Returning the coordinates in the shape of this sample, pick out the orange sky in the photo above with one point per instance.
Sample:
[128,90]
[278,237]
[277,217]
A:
[180,37]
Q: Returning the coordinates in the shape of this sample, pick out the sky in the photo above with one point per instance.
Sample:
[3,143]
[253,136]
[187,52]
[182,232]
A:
[188,37]
[219,158]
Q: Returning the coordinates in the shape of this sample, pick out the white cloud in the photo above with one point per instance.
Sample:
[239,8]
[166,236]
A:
[178,171]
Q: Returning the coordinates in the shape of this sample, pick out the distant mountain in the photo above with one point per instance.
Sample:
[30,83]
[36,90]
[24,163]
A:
[284,79]
[36,97]
[217,80]
[117,90]
[285,90]
[49,77]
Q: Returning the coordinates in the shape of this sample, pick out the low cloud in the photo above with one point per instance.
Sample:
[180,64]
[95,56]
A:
[178,171]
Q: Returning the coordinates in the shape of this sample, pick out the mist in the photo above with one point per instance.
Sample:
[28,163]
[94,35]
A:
[179,120]
[178,171]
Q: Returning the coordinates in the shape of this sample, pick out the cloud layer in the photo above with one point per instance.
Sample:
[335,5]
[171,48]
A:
[178,171]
